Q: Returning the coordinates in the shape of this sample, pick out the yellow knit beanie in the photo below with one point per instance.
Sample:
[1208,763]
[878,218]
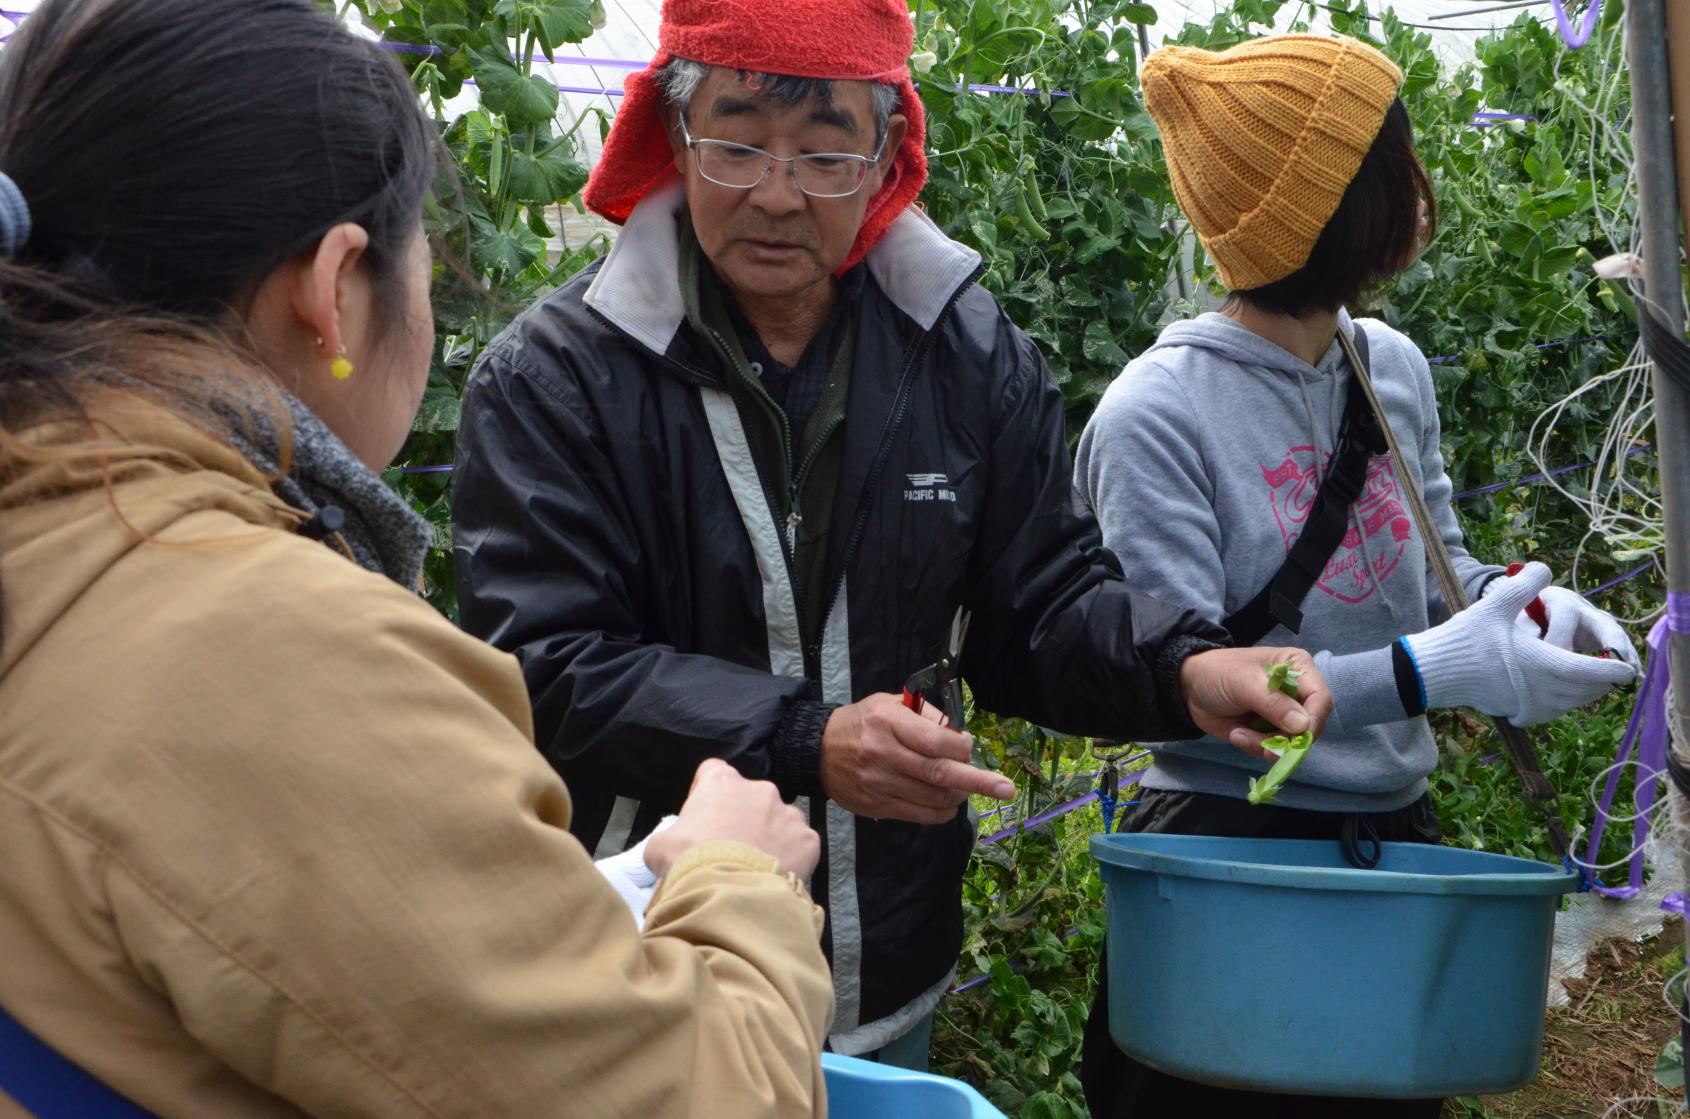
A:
[1262,140]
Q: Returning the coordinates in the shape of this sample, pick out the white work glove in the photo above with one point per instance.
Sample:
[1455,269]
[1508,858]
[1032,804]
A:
[1481,659]
[1579,627]
[630,877]
[1576,625]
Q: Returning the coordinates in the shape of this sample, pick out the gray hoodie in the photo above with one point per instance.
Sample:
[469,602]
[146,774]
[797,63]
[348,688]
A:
[1202,461]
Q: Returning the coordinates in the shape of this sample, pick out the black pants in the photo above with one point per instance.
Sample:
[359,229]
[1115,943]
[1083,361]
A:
[1118,1087]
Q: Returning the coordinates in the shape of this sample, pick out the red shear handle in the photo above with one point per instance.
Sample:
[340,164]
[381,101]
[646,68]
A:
[913,700]
[1535,610]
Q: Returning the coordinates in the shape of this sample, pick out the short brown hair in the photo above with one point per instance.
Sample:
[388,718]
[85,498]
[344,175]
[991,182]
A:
[1374,234]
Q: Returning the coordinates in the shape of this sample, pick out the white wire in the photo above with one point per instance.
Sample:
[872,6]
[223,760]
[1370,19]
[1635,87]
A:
[1654,1103]
[1673,993]
[1653,775]
[1621,503]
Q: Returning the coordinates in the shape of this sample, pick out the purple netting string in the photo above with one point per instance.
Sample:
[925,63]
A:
[1579,36]
[1062,809]
[1678,612]
[1647,735]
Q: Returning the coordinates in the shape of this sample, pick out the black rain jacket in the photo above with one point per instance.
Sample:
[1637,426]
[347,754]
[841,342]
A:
[613,531]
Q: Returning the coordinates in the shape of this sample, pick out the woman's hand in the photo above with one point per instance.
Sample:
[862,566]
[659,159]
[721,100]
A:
[1578,627]
[1482,658]
[724,805]
[1226,689]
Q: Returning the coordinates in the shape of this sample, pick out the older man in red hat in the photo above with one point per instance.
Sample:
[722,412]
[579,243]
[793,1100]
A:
[726,489]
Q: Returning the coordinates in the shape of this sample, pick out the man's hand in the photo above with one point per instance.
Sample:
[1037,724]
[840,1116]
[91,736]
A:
[1226,688]
[882,760]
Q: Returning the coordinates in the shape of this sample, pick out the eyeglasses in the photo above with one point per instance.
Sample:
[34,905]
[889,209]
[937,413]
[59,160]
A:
[741,166]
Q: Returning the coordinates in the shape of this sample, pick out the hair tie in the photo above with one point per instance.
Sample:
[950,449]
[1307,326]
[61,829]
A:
[14,218]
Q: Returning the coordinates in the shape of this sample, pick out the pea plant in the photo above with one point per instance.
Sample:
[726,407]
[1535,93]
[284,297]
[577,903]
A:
[1043,158]
[1053,172]
[496,218]
[1503,297]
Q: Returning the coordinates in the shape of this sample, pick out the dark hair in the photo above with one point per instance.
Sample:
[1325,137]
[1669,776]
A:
[1374,234]
[173,153]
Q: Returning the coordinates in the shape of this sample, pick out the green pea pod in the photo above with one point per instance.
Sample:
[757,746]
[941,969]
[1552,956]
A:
[496,167]
[1465,205]
[1281,678]
[1291,753]
[1035,200]
[1030,223]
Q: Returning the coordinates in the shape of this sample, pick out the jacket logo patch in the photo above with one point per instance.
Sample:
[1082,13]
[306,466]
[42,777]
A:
[929,487]
[1385,525]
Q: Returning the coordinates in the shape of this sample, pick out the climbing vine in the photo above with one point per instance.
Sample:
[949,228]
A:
[1044,160]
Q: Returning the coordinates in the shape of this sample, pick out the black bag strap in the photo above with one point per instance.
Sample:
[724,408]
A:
[1281,601]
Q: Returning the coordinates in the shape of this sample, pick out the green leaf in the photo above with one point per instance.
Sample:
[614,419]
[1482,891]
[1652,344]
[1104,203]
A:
[439,409]
[522,101]
[565,21]
[1514,237]
[1048,1105]
[504,252]
[545,177]
[1100,346]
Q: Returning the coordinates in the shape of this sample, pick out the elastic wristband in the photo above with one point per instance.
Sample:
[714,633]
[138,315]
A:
[1411,689]
[721,853]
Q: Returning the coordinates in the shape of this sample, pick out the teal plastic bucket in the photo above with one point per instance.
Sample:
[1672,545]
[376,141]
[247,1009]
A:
[858,1089]
[1272,965]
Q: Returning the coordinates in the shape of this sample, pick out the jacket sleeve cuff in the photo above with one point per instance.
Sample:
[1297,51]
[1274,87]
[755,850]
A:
[718,862]
[1479,581]
[1176,712]
[795,755]
[719,852]
[1364,686]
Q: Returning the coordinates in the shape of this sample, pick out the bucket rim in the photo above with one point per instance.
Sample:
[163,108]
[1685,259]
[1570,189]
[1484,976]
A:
[1119,850]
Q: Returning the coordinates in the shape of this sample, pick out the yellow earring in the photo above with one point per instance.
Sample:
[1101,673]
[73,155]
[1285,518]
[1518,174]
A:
[341,367]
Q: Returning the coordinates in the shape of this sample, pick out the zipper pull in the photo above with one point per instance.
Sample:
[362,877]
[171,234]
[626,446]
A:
[793,520]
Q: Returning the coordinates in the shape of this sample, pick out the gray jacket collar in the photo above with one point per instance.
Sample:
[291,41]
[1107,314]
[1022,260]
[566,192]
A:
[638,287]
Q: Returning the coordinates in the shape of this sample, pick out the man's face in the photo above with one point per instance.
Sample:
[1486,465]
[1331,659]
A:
[773,240]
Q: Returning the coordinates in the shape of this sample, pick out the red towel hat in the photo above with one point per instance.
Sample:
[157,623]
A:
[840,40]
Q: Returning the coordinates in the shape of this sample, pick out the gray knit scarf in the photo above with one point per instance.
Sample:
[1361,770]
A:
[340,495]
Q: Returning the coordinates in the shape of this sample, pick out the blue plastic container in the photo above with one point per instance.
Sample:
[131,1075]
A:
[1272,965]
[859,1089]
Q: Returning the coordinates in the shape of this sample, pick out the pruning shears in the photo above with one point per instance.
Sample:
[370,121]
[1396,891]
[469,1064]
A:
[939,683]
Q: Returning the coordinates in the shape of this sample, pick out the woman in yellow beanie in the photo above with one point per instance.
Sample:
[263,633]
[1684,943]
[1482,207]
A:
[1234,456]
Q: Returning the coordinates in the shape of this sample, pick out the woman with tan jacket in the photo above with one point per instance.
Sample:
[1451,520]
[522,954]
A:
[276,840]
